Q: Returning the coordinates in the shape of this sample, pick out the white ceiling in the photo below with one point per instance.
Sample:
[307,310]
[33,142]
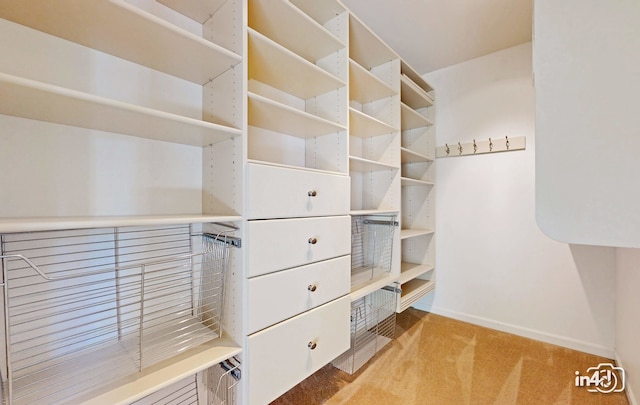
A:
[432,34]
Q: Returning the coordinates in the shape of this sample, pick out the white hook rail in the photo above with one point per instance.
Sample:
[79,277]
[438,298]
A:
[492,145]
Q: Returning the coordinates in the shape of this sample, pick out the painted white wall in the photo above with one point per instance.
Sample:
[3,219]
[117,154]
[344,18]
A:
[494,266]
[586,59]
[627,325]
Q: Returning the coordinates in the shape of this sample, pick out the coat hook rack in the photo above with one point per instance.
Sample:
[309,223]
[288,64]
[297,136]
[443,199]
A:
[509,144]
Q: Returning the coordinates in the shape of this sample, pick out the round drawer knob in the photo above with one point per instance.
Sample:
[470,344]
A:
[312,193]
[313,241]
[312,287]
[312,345]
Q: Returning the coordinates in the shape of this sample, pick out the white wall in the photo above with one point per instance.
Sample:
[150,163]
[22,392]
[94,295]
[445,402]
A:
[494,266]
[627,325]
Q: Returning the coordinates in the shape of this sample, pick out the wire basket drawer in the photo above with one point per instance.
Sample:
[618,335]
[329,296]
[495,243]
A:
[85,308]
[373,324]
[216,385]
[371,247]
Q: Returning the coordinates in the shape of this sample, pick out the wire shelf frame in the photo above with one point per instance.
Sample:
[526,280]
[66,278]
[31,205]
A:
[371,247]
[85,308]
[373,324]
[213,386]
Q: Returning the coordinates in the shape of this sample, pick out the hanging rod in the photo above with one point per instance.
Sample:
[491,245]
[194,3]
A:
[491,145]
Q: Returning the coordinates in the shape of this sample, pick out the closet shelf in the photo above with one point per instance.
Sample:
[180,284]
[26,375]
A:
[412,291]
[357,164]
[409,156]
[268,114]
[32,224]
[27,98]
[414,76]
[168,372]
[409,271]
[276,66]
[197,10]
[412,95]
[362,125]
[367,48]
[373,285]
[308,169]
[409,182]
[365,87]
[411,119]
[321,11]
[123,30]
[290,27]
[414,233]
[381,211]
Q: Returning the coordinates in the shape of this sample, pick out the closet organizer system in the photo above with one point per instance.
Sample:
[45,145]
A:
[290,127]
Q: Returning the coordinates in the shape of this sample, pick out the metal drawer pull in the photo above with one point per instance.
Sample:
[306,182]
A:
[312,345]
[313,241]
[312,287]
[312,193]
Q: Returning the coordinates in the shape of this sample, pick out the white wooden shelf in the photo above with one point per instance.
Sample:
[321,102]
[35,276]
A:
[381,211]
[30,99]
[197,10]
[365,87]
[412,291]
[412,95]
[33,224]
[411,119]
[411,74]
[409,156]
[276,66]
[289,26]
[409,182]
[321,11]
[137,36]
[263,162]
[414,233]
[168,372]
[373,285]
[362,125]
[268,114]
[409,271]
[358,164]
[367,48]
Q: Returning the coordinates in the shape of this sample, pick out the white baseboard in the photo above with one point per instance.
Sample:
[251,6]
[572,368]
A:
[528,333]
[627,390]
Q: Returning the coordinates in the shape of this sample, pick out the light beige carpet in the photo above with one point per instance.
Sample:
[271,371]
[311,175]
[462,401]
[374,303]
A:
[437,360]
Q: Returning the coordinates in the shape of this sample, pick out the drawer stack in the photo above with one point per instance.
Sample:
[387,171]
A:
[298,264]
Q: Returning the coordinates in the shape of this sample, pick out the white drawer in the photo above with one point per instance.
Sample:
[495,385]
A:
[279,192]
[281,356]
[281,295]
[280,244]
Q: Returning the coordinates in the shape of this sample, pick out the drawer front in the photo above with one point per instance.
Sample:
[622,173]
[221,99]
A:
[285,243]
[278,296]
[281,356]
[278,192]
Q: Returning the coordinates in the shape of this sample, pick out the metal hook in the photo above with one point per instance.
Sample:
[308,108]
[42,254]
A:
[459,149]
[490,145]
[475,146]
[447,148]
[507,141]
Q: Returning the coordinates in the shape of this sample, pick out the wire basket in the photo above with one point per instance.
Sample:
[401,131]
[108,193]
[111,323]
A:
[373,324]
[213,386]
[84,308]
[371,247]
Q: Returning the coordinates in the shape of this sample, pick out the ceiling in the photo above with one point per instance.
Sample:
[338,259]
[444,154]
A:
[433,34]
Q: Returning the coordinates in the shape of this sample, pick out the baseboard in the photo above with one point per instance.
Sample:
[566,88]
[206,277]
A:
[627,390]
[528,333]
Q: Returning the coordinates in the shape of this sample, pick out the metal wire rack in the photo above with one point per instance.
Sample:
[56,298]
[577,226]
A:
[371,247]
[213,386]
[373,323]
[84,308]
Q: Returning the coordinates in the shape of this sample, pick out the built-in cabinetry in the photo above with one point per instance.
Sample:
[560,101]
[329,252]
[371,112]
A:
[288,120]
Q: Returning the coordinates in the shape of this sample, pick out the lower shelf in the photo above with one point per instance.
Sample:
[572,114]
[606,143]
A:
[412,291]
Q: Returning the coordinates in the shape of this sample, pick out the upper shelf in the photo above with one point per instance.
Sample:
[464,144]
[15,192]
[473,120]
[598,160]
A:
[408,71]
[411,119]
[358,164]
[197,10]
[123,30]
[364,86]
[27,98]
[276,66]
[321,11]
[412,95]
[409,156]
[367,48]
[287,25]
[363,126]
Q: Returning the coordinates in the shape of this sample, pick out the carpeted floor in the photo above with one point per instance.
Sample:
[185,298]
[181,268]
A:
[437,360]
